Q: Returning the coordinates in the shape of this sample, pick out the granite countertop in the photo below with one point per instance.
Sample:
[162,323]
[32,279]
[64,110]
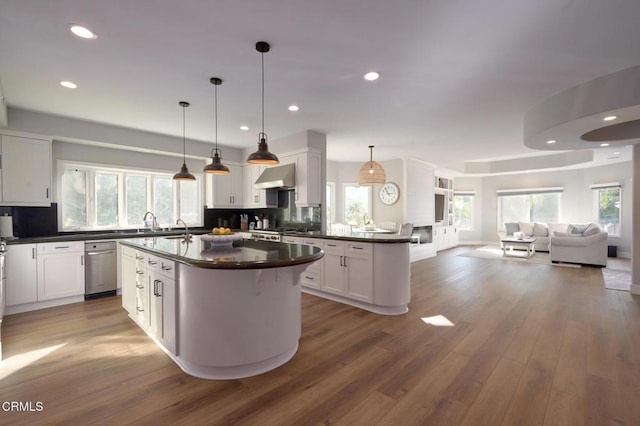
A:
[367,237]
[106,235]
[243,254]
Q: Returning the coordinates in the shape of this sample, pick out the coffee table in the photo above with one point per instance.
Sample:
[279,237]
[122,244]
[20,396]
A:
[510,246]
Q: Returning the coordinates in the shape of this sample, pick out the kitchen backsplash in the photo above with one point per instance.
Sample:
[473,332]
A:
[33,221]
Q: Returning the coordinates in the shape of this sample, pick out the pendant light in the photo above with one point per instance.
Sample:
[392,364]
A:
[371,173]
[184,174]
[216,167]
[262,155]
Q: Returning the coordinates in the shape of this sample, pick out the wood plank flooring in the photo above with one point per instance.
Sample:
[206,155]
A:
[531,344]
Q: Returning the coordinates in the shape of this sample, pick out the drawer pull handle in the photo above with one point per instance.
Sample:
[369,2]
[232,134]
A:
[60,247]
[139,309]
[139,286]
[357,248]
[331,245]
[151,262]
[308,277]
[166,268]
[139,257]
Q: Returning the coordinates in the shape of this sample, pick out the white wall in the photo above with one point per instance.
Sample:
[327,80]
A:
[577,198]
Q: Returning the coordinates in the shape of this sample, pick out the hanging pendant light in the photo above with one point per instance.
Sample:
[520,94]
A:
[216,167]
[371,173]
[262,155]
[184,174]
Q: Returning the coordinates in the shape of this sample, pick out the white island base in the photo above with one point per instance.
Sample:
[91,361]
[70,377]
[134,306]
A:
[237,323]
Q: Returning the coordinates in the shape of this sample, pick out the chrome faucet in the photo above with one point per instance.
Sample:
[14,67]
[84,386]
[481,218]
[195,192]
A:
[154,224]
[187,235]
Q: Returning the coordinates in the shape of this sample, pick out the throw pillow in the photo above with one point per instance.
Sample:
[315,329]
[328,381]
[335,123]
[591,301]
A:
[527,228]
[557,227]
[591,229]
[565,234]
[577,229]
[540,230]
[511,228]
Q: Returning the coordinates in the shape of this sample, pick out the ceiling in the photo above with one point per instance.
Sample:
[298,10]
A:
[456,77]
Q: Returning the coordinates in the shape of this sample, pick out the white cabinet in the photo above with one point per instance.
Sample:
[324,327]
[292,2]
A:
[128,278]
[308,190]
[60,270]
[312,276]
[227,189]
[445,237]
[22,283]
[162,301]
[25,171]
[149,294]
[348,269]
[253,197]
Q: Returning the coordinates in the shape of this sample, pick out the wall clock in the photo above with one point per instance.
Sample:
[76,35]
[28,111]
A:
[389,193]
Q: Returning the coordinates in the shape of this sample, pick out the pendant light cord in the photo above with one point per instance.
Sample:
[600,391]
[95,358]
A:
[184,141]
[262,56]
[216,117]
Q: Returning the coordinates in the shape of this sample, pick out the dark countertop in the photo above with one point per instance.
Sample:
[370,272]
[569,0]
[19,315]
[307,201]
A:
[244,254]
[107,235]
[365,237]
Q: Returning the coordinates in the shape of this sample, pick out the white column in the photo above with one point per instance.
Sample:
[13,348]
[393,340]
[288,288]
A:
[635,245]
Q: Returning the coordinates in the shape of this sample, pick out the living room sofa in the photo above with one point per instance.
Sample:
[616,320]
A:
[542,232]
[584,244]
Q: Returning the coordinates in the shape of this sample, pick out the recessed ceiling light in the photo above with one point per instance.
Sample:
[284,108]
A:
[82,32]
[245,128]
[604,144]
[68,84]
[610,118]
[551,141]
[371,76]
[293,108]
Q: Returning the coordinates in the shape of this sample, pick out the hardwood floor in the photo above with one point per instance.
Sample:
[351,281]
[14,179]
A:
[531,344]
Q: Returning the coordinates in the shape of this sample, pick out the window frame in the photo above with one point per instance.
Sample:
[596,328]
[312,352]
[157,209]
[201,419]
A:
[344,203]
[122,173]
[472,195]
[595,189]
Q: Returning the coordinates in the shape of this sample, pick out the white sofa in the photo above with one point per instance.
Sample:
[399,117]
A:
[542,232]
[585,245]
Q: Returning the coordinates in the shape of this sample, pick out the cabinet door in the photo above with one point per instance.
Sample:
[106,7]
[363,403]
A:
[334,274]
[163,310]
[21,267]
[26,171]
[253,197]
[313,275]
[128,279]
[60,275]
[359,265]
[308,190]
[227,189]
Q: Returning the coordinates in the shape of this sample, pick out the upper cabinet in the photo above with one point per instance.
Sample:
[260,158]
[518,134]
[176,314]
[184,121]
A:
[419,193]
[253,198]
[25,170]
[227,189]
[308,190]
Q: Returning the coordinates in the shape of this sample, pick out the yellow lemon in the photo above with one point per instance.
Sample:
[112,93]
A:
[216,231]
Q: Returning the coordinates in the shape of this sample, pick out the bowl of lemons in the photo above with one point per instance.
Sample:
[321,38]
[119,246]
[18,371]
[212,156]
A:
[220,237]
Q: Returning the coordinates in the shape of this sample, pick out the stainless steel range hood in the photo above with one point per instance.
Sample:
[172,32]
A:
[277,177]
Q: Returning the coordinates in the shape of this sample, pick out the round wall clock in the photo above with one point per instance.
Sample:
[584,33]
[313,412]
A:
[389,193]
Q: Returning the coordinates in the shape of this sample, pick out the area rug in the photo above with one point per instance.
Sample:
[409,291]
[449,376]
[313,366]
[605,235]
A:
[616,279]
[495,253]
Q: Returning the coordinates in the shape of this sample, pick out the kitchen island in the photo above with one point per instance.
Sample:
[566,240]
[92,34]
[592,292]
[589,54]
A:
[218,312]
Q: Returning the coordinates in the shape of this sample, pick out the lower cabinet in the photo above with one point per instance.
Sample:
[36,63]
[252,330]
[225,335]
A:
[43,272]
[60,270]
[149,294]
[22,277]
[445,237]
[348,269]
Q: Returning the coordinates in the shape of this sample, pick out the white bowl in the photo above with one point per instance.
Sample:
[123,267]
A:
[220,240]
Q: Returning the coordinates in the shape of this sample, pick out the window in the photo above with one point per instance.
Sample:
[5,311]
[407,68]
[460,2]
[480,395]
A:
[532,205]
[463,210]
[357,204]
[607,207]
[94,197]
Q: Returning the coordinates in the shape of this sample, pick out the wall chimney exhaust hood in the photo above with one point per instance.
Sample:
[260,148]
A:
[277,177]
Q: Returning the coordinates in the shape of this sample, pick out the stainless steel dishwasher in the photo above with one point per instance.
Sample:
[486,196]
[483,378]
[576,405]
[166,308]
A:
[100,275]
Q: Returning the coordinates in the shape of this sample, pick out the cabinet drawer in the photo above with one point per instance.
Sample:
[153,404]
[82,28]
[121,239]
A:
[66,247]
[291,240]
[333,247]
[310,278]
[359,248]
[311,242]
